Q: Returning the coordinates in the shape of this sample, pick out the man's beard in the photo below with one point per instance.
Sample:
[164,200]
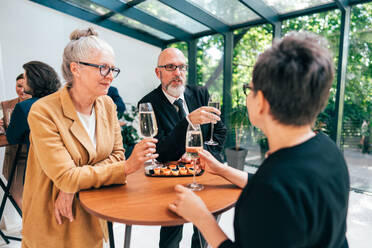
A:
[175,90]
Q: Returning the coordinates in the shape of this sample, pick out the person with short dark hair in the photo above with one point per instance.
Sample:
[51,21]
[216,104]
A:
[20,76]
[299,195]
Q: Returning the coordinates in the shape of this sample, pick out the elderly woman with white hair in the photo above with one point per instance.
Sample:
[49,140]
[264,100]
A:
[75,144]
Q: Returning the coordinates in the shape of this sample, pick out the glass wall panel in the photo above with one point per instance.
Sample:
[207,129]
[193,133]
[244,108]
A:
[248,44]
[210,63]
[357,121]
[228,11]
[171,16]
[290,5]
[135,24]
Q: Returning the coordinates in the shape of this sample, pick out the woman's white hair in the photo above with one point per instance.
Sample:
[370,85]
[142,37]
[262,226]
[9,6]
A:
[83,45]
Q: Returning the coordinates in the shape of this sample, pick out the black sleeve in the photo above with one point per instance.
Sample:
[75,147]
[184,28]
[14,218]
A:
[120,105]
[226,244]
[172,146]
[18,129]
[269,217]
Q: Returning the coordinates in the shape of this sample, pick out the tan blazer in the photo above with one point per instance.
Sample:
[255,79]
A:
[62,157]
[11,154]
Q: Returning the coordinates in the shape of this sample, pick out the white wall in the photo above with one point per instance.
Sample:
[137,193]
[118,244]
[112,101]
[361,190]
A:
[29,31]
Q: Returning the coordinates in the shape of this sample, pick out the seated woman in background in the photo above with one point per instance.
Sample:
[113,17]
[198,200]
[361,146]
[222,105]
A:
[15,155]
[40,80]
[299,195]
[75,144]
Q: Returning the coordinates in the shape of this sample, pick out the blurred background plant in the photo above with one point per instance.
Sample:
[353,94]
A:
[128,131]
[239,120]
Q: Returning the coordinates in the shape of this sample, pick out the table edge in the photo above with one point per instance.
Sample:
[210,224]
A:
[179,221]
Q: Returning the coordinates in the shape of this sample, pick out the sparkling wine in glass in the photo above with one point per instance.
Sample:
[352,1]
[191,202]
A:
[214,101]
[147,122]
[194,143]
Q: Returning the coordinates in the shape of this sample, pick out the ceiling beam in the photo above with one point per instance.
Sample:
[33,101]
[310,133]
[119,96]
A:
[90,17]
[197,14]
[135,2]
[261,9]
[144,18]
[342,4]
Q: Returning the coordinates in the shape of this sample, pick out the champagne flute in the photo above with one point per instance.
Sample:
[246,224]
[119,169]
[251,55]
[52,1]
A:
[214,101]
[147,122]
[194,143]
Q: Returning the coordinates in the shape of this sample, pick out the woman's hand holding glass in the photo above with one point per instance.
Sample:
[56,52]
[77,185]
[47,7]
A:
[209,163]
[148,125]
[142,151]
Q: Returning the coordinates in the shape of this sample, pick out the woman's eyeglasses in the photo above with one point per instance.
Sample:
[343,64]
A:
[104,69]
[247,89]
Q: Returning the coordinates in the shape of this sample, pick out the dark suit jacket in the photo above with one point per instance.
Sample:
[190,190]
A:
[114,94]
[172,130]
[18,130]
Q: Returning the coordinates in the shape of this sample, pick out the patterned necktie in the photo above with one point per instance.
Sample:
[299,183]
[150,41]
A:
[181,110]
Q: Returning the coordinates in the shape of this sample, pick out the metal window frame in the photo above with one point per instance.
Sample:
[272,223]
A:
[345,9]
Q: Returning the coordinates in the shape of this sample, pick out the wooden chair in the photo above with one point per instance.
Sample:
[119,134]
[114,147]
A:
[8,196]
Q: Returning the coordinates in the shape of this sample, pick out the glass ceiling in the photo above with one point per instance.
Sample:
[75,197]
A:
[167,14]
[135,24]
[160,22]
[285,6]
[88,5]
[228,11]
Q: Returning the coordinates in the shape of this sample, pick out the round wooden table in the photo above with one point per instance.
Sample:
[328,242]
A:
[144,200]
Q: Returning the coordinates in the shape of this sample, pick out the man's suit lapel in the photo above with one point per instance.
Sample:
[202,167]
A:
[76,128]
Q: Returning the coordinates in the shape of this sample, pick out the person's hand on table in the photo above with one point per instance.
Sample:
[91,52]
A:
[204,115]
[142,151]
[188,160]
[185,159]
[188,205]
[209,163]
[63,206]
